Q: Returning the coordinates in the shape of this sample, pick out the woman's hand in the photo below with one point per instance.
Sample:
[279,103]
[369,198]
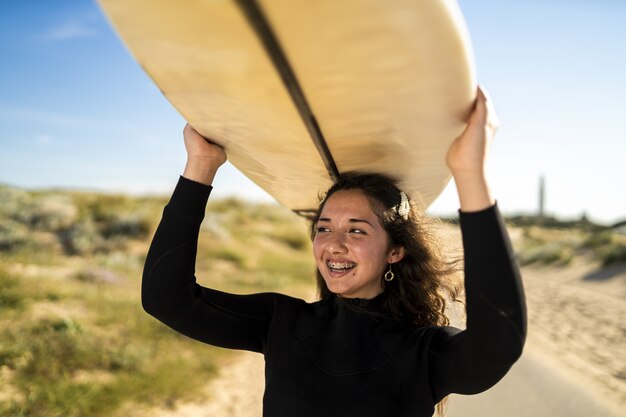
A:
[203,156]
[467,156]
[468,153]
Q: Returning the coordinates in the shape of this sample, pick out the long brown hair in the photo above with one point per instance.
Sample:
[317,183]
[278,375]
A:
[425,280]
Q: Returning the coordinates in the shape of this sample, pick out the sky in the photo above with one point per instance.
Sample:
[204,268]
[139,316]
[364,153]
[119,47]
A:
[76,111]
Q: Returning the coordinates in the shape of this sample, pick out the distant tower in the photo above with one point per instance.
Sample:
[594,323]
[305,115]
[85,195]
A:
[542,197]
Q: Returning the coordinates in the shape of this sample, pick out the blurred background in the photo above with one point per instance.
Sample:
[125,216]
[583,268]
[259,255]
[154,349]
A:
[90,151]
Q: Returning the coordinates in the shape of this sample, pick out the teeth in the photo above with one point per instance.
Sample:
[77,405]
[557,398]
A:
[341,265]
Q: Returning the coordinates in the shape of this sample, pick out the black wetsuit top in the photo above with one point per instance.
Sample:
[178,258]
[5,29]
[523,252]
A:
[328,358]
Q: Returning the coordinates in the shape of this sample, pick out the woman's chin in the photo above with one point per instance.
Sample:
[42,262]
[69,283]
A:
[337,287]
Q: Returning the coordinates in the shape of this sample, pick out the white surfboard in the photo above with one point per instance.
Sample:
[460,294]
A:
[300,91]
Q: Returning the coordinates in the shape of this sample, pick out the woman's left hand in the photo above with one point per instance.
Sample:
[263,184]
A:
[467,155]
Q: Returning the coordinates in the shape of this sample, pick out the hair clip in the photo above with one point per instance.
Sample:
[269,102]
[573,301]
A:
[404,208]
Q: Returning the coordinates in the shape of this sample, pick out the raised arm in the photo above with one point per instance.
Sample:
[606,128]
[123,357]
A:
[471,361]
[169,289]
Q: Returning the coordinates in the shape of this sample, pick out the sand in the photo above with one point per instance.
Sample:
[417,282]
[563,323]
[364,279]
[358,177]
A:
[581,323]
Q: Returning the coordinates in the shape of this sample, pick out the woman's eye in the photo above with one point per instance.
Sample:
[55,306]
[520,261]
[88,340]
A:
[322,229]
[358,231]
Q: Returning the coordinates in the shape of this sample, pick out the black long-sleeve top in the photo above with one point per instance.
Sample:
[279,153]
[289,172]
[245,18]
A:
[328,358]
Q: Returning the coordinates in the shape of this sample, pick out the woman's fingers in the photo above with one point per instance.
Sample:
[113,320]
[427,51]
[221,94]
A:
[488,115]
[468,153]
[199,147]
[203,157]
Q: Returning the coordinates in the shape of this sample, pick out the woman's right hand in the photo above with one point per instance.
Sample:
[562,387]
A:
[203,156]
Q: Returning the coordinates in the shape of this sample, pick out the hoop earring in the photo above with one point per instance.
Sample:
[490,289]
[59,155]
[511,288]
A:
[389,275]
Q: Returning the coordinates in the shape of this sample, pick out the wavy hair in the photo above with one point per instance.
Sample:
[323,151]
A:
[425,279]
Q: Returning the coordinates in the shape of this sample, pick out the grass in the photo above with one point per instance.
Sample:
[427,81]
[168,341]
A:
[74,340]
[55,340]
[560,246]
[10,297]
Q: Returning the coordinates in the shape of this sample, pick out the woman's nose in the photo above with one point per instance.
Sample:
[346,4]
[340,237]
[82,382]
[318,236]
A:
[336,244]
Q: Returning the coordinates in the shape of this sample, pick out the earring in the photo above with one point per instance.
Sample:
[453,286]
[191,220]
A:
[389,275]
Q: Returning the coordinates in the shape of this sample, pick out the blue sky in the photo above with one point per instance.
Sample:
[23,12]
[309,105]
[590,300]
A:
[77,112]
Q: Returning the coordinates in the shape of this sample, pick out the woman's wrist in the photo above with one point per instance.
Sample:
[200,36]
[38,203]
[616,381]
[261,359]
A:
[474,191]
[200,170]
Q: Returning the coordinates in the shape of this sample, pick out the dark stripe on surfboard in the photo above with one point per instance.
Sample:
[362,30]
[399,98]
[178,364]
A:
[261,26]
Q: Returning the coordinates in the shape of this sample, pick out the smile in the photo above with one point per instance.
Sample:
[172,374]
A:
[340,267]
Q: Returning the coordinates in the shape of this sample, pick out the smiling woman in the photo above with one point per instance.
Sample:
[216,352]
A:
[351,248]
[377,342]
[361,226]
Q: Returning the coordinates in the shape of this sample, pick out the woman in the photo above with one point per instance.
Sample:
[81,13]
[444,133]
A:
[377,342]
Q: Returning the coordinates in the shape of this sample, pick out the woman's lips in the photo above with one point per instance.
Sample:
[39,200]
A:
[339,268]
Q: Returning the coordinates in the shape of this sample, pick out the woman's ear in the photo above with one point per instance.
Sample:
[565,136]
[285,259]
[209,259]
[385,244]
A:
[396,253]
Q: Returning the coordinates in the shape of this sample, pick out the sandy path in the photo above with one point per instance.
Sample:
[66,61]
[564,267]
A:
[581,324]
[534,387]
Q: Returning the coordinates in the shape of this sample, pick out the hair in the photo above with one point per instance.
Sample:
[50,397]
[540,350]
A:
[425,279]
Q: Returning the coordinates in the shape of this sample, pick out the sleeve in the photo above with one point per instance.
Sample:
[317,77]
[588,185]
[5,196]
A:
[473,360]
[169,290]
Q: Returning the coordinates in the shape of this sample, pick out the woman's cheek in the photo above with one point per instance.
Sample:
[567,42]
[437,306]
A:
[317,247]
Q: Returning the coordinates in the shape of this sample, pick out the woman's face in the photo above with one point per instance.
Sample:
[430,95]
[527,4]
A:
[351,248]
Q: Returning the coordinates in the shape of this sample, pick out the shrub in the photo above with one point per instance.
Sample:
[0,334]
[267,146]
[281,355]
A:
[11,201]
[613,254]
[608,246]
[13,235]
[598,239]
[81,238]
[131,225]
[48,213]
[547,253]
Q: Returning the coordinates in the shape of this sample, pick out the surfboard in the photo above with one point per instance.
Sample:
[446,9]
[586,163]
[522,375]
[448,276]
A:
[300,91]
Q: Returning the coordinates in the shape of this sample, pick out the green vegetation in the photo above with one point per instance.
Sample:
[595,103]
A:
[10,297]
[70,223]
[74,340]
[560,245]
[607,245]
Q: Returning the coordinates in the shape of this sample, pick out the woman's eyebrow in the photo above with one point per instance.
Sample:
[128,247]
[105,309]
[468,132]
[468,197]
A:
[360,221]
[326,219]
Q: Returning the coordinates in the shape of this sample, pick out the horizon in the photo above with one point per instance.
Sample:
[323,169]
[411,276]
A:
[273,202]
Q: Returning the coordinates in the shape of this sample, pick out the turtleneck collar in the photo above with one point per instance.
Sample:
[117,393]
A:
[371,305]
